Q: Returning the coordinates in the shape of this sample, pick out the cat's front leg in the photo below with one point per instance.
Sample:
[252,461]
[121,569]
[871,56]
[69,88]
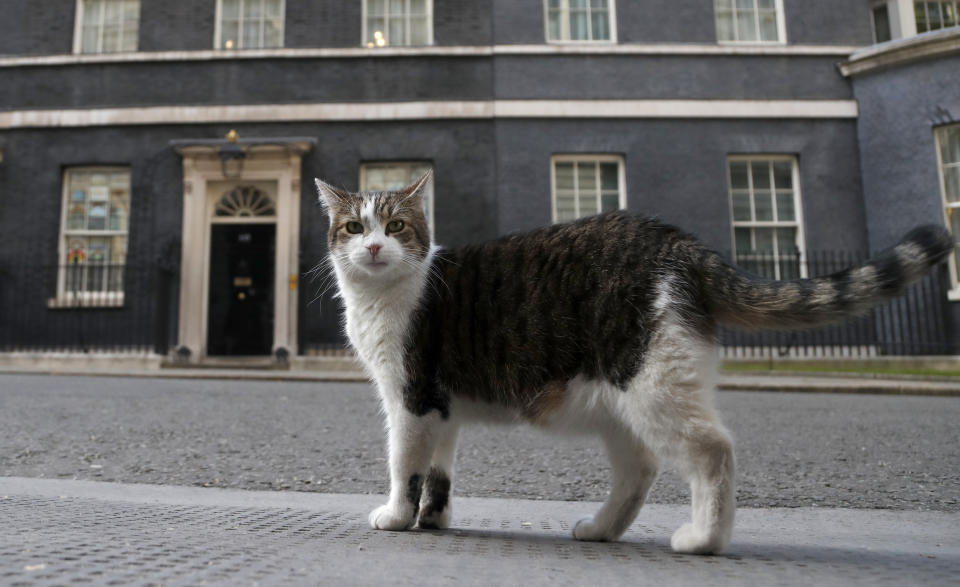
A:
[412,440]
[435,502]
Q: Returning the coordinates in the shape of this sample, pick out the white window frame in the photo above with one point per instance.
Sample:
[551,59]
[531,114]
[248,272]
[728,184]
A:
[78,30]
[218,26]
[781,26]
[99,298]
[565,24]
[797,206]
[949,208]
[587,158]
[428,190]
[406,18]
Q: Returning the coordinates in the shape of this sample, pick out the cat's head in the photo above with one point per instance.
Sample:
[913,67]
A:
[377,235]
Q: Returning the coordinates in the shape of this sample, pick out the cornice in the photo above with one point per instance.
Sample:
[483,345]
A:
[902,51]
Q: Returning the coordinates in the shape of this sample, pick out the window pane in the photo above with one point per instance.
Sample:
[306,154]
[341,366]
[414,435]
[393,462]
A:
[553,26]
[230,9]
[418,6]
[251,34]
[768,26]
[920,9]
[600,21]
[587,179]
[111,38]
[609,201]
[881,24]
[601,4]
[609,177]
[761,176]
[767,5]
[578,4]
[396,35]
[764,206]
[272,35]
[588,204]
[934,21]
[565,206]
[564,172]
[418,31]
[743,241]
[88,41]
[783,175]
[741,205]
[955,228]
[375,29]
[763,237]
[375,7]
[579,29]
[787,241]
[725,31]
[949,15]
[951,183]
[785,208]
[272,8]
[950,144]
[746,25]
[252,9]
[738,175]
[230,34]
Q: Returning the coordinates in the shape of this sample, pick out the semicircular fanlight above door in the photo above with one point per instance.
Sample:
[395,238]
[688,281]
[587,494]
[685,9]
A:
[245,201]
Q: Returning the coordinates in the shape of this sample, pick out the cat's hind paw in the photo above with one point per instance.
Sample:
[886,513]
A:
[386,517]
[688,540]
[433,520]
[589,531]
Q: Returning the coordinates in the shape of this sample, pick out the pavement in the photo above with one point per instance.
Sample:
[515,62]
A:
[70,532]
[891,458]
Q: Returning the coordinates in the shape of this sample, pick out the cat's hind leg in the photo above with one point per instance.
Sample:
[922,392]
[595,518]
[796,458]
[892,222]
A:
[435,500]
[634,470]
[672,407]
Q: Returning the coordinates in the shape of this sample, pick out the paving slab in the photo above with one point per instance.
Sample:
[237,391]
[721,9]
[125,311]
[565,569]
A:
[57,532]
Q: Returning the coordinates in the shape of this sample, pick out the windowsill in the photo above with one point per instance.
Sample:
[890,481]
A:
[923,46]
[581,42]
[86,300]
[954,295]
[752,43]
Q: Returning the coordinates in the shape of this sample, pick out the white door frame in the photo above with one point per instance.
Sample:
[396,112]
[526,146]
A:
[279,163]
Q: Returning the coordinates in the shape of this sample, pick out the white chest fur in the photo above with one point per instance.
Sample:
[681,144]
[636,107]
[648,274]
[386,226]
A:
[378,317]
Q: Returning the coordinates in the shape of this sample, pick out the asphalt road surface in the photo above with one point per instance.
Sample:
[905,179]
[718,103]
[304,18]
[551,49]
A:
[793,449]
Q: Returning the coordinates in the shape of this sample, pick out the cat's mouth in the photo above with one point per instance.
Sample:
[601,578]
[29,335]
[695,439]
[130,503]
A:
[376,264]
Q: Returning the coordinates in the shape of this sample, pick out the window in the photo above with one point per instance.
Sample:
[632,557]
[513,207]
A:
[93,241]
[397,22]
[750,21]
[765,204]
[580,20]
[881,24]
[932,16]
[397,175]
[948,140]
[249,24]
[106,26]
[584,185]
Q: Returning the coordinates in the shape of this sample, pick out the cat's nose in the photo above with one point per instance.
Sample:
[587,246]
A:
[374,249]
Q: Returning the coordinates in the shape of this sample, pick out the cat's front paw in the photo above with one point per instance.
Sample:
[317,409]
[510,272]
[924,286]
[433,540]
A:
[689,540]
[386,517]
[589,531]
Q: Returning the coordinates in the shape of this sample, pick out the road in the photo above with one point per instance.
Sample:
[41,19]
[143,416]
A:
[793,449]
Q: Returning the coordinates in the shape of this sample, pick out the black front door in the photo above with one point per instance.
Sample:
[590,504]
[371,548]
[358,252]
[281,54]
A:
[241,289]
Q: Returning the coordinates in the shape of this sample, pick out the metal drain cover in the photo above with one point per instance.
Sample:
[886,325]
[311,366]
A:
[73,532]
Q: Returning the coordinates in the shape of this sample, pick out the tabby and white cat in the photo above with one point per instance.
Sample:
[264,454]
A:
[604,325]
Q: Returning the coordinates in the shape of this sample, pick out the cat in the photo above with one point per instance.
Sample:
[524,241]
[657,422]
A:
[604,325]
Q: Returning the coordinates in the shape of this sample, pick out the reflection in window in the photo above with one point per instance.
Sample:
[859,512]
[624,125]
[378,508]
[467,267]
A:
[94,233]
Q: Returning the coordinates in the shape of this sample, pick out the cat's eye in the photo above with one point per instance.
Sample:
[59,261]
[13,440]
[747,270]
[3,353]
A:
[354,227]
[395,226]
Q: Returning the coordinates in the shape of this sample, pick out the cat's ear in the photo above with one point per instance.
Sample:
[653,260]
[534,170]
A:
[416,189]
[330,196]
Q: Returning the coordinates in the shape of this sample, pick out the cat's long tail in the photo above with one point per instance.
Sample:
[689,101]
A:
[740,299]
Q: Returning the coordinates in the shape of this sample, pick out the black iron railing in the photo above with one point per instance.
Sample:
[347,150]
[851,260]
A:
[86,308]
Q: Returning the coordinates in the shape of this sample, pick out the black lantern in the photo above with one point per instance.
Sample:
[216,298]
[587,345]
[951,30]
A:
[231,157]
